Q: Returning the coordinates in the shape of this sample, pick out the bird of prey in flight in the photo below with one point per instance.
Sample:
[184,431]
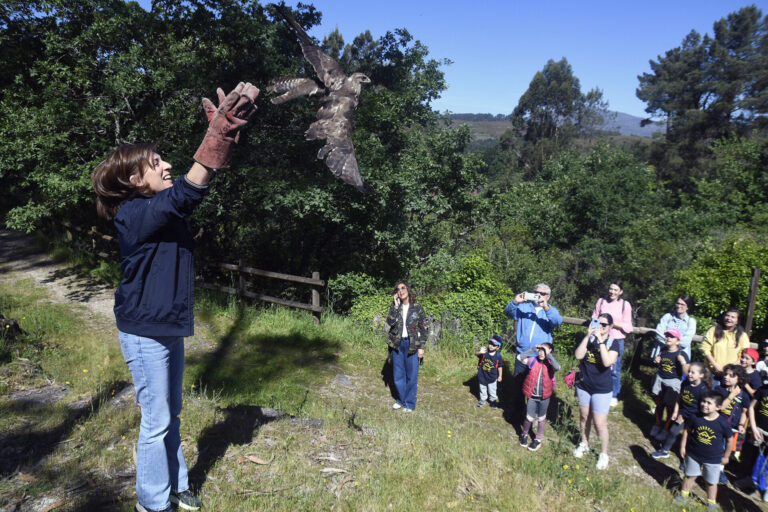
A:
[338,95]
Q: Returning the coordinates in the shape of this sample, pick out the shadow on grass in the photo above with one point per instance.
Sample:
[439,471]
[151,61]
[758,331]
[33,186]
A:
[671,479]
[663,474]
[244,365]
[239,424]
[388,377]
[28,446]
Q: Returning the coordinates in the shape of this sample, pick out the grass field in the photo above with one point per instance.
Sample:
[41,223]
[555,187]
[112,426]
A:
[282,415]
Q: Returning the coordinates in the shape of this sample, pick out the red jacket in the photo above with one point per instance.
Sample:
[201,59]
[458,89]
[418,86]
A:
[547,383]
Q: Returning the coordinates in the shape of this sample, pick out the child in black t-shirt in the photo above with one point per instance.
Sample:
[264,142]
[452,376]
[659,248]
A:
[698,383]
[704,447]
[748,360]
[735,405]
[673,364]
[758,415]
[758,420]
[489,371]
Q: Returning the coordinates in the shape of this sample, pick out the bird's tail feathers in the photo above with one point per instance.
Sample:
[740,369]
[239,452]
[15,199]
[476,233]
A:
[303,36]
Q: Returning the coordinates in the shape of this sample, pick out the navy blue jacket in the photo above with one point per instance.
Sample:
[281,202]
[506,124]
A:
[156,294]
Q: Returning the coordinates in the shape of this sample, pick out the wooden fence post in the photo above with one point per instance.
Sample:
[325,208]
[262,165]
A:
[241,280]
[751,300]
[316,299]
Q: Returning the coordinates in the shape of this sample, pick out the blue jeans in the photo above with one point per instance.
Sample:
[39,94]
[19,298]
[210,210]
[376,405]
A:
[616,371]
[405,372]
[157,367]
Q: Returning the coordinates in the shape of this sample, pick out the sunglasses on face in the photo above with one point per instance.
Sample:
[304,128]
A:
[604,325]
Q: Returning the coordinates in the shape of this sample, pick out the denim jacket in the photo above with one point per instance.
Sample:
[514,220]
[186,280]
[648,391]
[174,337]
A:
[416,325]
[155,295]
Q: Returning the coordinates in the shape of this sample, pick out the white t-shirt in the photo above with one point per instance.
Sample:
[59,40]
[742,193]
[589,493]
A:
[405,316]
[533,327]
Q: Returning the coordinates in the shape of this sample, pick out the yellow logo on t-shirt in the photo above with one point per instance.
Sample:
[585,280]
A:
[687,397]
[668,366]
[705,435]
[763,406]
[592,356]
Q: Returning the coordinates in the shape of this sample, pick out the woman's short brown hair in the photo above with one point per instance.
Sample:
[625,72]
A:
[112,177]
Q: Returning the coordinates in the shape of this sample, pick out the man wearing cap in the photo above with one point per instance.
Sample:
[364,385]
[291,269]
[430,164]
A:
[536,319]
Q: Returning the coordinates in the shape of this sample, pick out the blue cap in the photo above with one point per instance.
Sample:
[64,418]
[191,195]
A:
[495,340]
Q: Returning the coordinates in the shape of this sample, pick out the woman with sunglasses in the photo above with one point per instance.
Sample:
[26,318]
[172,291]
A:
[679,318]
[621,312]
[596,353]
[407,335]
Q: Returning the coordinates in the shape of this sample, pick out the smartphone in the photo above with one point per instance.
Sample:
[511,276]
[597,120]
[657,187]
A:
[595,324]
[531,297]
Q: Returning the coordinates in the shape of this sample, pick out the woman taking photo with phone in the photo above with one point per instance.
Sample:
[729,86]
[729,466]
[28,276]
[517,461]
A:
[407,336]
[621,313]
[596,353]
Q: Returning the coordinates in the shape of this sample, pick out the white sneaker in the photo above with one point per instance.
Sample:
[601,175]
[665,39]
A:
[396,406]
[581,450]
[614,402]
[602,461]
[407,410]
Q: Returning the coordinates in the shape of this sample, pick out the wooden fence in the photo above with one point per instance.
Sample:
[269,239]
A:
[314,282]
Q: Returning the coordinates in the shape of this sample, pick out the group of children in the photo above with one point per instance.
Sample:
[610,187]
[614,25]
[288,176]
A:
[538,385]
[712,416]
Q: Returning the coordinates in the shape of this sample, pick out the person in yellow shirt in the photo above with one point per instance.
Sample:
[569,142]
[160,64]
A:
[724,342]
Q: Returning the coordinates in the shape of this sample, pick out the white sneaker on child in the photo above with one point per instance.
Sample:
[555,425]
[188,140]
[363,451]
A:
[581,450]
[602,461]
[396,406]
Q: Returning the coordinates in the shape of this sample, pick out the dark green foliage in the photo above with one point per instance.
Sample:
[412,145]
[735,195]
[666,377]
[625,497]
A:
[705,89]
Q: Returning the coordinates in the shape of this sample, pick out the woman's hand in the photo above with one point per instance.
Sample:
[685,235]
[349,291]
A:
[420,353]
[396,300]
[657,360]
[224,125]
[757,435]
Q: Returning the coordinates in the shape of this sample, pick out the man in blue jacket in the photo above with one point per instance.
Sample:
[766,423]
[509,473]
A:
[535,322]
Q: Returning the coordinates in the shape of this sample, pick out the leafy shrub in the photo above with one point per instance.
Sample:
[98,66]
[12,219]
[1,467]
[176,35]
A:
[719,278]
[344,289]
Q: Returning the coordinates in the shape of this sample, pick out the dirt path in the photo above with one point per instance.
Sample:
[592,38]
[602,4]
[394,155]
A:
[19,255]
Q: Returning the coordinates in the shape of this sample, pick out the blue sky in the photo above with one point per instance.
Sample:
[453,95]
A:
[497,46]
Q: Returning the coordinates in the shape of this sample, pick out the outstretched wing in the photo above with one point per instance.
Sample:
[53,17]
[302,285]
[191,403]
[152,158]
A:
[290,88]
[334,124]
[328,70]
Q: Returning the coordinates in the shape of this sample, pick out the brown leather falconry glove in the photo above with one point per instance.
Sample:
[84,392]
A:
[224,125]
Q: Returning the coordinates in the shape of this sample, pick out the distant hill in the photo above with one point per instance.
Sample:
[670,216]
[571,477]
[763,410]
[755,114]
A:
[489,126]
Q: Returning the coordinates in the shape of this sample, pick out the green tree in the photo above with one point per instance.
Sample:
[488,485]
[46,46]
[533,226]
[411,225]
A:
[706,89]
[552,112]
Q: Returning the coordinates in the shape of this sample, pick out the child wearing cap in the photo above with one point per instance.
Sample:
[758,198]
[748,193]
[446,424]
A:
[538,386]
[673,364]
[762,364]
[489,371]
[748,360]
